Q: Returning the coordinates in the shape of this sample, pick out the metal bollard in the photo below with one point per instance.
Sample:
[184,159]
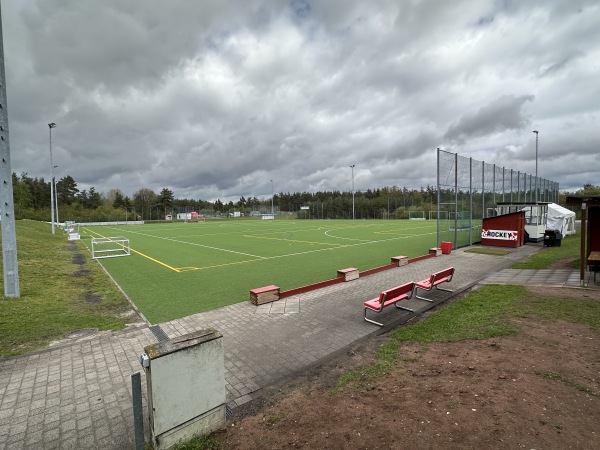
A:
[138,413]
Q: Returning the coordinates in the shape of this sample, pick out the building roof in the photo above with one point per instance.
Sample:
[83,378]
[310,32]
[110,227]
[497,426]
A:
[590,199]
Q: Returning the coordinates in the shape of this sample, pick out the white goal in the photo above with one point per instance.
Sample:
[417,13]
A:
[416,215]
[71,229]
[435,215]
[110,247]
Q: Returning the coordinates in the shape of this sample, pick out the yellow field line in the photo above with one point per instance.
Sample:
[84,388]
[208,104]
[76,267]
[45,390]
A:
[190,269]
[140,253]
[291,240]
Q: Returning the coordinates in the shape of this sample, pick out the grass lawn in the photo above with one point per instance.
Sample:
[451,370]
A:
[569,250]
[62,290]
[484,313]
[487,312]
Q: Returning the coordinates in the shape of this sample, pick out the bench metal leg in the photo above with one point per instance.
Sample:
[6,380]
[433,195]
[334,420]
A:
[443,289]
[428,299]
[370,320]
[423,298]
[403,307]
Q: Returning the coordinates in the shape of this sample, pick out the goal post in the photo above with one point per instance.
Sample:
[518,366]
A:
[438,215]
[416,215]
[110,247]
[71,229]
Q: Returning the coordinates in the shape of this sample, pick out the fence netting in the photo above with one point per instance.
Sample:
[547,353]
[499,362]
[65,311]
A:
[468,191]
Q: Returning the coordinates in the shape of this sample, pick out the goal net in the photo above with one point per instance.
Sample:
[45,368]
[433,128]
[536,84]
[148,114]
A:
[416,215]
[459,220]
[71,229]
[438,215]
[110,247]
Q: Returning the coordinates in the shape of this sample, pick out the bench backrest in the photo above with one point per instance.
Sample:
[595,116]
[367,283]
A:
[396,291]
[446,273]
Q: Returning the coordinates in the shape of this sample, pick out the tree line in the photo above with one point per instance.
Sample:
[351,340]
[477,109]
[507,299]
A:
[32,201]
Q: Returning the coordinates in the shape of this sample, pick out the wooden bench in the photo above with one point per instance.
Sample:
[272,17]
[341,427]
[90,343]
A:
[434,281]
[435,251]
[349,274]
[399,261]
[389,297]
[265,294]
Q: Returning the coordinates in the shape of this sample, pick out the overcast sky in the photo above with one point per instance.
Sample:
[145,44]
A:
[216,98]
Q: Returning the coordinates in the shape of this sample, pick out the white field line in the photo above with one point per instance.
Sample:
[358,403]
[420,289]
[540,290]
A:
[278,256]
[327,233]
[198,245]
[343,238]
[188,269]
[348,245]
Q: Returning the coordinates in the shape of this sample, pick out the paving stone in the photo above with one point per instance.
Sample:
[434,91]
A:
[84,401]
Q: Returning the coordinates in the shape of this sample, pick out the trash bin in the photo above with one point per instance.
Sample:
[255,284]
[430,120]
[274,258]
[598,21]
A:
[552,238]
[558,238]
[446,247]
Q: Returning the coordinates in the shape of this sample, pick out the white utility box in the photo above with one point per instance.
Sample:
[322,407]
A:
[185,378]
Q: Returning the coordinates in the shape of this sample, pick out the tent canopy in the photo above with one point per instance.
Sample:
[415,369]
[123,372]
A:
[561,219]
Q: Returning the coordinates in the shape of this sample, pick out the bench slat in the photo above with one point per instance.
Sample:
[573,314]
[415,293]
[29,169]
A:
[434,280]
[387,298]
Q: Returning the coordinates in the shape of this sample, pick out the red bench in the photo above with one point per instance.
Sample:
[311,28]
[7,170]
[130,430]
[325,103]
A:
[389,297]
[434,281]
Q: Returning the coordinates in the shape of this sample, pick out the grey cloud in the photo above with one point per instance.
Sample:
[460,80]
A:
[216,98]
[505,113]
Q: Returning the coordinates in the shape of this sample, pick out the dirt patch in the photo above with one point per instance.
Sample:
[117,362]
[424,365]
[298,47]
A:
[79,259]
[565,264]
[92,298]
[539,389]
[81,333]
[82,273]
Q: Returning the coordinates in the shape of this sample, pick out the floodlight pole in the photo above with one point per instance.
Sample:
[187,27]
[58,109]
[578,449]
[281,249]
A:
[10,263]
[352,167]
[536,165]
[56,197]
[272,195]
[50,126]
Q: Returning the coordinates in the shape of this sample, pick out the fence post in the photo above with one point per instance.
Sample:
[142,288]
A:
[470,202]
[438,197]
[138,414]
[456,199]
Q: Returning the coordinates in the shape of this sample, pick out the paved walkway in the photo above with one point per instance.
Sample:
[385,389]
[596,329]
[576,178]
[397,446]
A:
[78,395]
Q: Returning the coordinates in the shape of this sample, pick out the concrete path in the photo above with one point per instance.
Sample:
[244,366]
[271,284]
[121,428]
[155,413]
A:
[78,395]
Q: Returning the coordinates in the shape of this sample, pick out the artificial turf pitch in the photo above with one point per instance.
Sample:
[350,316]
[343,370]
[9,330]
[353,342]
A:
[181,268]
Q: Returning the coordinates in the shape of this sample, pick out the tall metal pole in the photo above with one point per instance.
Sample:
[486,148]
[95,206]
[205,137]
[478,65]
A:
[273,195]
[50,126]
[56,198]
[352,167]
[438,198]
[536,165]
[10,265]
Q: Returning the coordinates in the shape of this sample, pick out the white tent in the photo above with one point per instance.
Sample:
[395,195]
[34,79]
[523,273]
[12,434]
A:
[561,219]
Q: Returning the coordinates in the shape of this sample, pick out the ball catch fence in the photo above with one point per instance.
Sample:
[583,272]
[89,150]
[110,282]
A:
[468,191]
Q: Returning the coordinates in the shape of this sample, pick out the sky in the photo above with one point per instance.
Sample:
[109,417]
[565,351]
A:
[219,99]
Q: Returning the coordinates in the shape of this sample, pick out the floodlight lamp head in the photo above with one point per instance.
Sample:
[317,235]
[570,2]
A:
[52,125]
[535,131]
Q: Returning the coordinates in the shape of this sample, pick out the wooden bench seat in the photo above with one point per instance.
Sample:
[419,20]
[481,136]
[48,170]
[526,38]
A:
[389,297]
[434,281]
[265,294]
